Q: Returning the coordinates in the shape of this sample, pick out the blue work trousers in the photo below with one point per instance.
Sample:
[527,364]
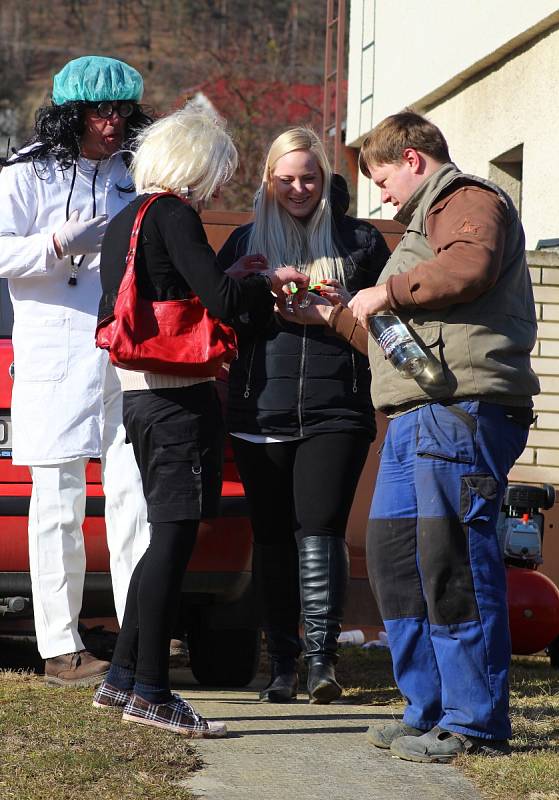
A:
[435,563]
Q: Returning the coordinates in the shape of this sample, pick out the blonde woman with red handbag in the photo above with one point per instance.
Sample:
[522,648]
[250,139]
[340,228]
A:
[171,414]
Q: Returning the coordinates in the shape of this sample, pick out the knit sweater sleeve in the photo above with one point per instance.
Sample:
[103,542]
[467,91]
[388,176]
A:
[347,327]
[184,238]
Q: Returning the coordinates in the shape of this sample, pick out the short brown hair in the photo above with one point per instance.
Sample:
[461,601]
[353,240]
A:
[388,140]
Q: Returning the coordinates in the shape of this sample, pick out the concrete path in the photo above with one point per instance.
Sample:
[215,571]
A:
[287,752]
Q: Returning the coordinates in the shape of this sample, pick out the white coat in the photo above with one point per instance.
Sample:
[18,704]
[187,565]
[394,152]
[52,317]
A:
[57,401]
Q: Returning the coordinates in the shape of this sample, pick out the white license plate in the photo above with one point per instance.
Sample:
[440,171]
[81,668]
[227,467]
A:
[5,436]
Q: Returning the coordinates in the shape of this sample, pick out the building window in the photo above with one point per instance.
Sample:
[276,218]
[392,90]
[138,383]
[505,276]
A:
[506,172]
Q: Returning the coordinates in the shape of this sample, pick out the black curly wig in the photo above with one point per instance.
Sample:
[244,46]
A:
[58,132]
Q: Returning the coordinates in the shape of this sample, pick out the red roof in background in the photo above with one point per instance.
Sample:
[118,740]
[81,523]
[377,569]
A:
[277,101]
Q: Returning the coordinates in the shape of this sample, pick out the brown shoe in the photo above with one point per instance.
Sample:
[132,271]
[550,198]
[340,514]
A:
[75,669]
[178,654]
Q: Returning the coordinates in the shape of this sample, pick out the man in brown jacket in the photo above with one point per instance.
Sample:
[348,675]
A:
[459,280]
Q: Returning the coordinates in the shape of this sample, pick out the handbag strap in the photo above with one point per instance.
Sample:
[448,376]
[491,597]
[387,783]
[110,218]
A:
[132,249]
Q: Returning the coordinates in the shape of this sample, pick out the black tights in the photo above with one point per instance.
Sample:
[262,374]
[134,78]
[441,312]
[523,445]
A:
[295,490]
[301,488]
[152,602]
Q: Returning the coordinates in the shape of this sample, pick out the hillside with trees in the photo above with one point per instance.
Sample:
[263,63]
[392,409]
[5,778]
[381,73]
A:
[249,59]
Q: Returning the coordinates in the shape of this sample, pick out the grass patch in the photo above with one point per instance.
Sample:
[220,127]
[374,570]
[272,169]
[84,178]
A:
[55,744]
[366,676]
[532,772]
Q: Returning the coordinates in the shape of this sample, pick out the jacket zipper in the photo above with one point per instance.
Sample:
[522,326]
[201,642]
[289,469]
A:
[301,380]
[246,394]
[354,370]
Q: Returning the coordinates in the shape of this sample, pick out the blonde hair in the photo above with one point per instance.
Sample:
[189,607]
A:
[283,239]
[187,152]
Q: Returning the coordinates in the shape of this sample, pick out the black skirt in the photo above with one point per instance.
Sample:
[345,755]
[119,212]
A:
[177,435]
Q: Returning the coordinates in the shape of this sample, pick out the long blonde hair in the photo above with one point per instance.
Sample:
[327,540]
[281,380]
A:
[283,239]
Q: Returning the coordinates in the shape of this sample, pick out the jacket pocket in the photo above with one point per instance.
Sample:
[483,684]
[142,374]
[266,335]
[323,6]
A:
[175,467]
[478,497]
[41,351]
[177,443]
[435,381]
[447,432]
[428,334]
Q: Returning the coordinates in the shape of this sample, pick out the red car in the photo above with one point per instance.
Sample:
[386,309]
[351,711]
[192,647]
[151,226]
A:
[216,603]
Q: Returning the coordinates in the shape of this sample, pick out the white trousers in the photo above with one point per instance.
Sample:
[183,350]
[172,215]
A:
[56,545]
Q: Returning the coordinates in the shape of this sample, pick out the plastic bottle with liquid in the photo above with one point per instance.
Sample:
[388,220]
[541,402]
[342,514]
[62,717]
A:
[398,345]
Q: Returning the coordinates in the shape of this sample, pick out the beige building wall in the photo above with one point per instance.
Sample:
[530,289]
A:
[486,72]
[540,461]
[513,105]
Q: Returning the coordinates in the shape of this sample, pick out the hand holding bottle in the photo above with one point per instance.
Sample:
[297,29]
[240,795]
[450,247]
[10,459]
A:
[398,345]
[368,302]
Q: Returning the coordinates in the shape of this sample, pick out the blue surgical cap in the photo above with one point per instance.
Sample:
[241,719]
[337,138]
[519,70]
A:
[97,78]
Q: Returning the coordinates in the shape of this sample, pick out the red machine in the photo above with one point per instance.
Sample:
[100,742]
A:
[533,598]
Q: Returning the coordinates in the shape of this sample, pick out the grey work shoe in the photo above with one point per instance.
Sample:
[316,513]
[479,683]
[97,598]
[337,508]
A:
[382,734]
[439,746]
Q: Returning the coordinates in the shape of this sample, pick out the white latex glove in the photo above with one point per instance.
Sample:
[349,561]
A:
[78,237]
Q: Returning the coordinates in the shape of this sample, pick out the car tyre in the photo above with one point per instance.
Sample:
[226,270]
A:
[224,657]
[553,652]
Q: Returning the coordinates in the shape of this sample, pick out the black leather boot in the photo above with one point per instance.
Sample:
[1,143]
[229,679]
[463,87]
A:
[324,571]
[284,682]
[321,683]
[276,581]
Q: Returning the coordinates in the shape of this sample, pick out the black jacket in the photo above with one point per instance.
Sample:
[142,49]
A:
[298,380]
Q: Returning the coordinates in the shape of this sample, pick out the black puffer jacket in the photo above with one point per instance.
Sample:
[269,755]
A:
[297,380]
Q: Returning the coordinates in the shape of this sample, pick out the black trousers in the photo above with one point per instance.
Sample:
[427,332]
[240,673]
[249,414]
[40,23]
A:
[177,435]
[295,489]
[152,601]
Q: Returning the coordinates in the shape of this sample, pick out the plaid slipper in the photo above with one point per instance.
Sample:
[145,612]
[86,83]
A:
[176,716]
[108,696]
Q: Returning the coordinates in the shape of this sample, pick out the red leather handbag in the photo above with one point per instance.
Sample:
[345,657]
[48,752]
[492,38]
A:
[173,337]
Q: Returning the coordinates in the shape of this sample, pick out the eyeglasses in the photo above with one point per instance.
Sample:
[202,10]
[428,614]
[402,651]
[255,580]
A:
[105,109]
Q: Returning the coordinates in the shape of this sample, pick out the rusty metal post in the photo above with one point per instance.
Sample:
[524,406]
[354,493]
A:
[333,80]
[340,63]
[326,104]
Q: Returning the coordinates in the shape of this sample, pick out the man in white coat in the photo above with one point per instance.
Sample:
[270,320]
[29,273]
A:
[56,197]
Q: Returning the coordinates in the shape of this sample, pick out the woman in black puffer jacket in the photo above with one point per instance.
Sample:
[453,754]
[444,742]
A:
[300,412]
